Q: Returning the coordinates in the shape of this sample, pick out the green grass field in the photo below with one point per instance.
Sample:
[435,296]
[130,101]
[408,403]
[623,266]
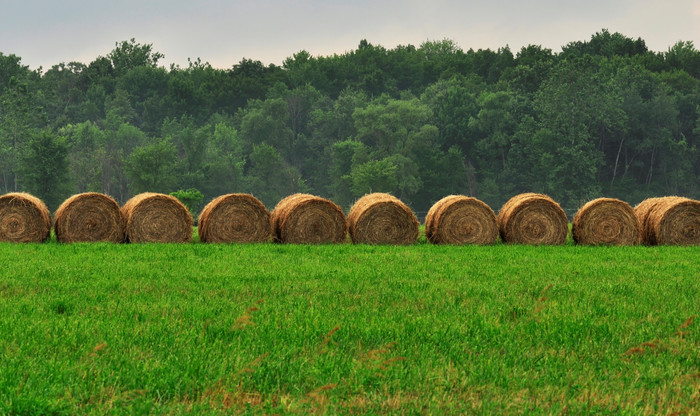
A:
[275,329]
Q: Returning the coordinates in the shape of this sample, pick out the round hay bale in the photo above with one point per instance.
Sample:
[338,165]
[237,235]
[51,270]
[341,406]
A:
[532,219]
[671,221]
[234,218]
[381,218]
[157,218]
[308,219]
[24,218]
[89,217]
[642,211]
[458,219]
[606,221]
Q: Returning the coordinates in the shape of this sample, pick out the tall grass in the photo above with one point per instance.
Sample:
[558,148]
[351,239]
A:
[220,329]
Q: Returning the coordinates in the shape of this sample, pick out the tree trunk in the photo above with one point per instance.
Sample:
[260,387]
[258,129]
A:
[471,177]
[617,160]
[651,167]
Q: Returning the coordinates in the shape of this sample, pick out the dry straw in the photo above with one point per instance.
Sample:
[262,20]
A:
[532,219]
[234,218]
[669,221]
[458,219]
[381,218]
[642,212]
[308,219]
[606,221]
[157,218]
[24,218]
[89,217]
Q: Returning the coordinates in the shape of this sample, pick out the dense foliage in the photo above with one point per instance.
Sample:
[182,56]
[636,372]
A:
[604,117]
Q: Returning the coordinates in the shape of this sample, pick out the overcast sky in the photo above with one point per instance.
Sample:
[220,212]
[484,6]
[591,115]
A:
[44,33]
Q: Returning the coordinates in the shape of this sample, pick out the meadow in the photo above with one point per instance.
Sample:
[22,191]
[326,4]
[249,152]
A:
[348,329]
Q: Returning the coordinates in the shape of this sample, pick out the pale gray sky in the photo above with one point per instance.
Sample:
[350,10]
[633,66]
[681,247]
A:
[223,32]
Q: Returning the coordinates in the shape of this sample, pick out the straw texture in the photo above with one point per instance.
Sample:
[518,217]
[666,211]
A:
[235,218]
[24,218]
[532,219]
[606,221]
[89,217]
[308,219]
[380,218]
[669,221]
[157,218]
[458,219]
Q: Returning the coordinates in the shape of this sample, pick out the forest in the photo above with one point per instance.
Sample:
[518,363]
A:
[603,117]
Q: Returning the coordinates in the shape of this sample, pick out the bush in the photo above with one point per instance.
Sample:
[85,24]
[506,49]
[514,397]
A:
[191,198]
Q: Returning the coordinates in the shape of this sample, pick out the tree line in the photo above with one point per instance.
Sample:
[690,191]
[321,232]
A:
[603,117]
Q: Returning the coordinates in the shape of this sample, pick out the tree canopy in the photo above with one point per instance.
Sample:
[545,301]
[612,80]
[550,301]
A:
[604,117]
